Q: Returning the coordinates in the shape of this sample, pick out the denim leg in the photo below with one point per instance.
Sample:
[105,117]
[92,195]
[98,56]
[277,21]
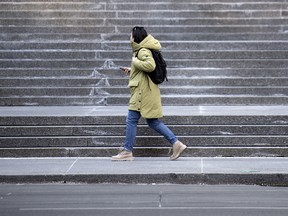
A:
[161,128]
[131,129]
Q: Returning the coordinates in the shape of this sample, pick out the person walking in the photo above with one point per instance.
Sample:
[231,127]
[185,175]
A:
[145,98]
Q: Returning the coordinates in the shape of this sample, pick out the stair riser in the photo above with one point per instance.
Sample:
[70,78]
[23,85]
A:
[127,55]
[120,119]
[172,73]
[195,36]
[46,72]
[55,14]
[159,1]
[94,64]
[119,130]
[155,14]
[140,6]
[156,29]
[111,101]
[105,82]
[110,46]
[123,37]
[196,141]
[34,92]
[144,152]
[49,22]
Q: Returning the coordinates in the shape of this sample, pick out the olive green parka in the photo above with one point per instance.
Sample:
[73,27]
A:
[145,95]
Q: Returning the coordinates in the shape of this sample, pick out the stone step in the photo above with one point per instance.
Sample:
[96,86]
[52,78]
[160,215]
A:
[196,72]
[173,63]
[73,13]
[91,37]
[58,6]
[54,45]
[186,54]
[146,14]
[68,52]
[202,36]
[173,54]
[156,28]
[116,115]
[166,45]
[187,1]
[142,130]
[116,82]
[47,72]
[146,22]
[222,130]
[114,73]
[114,91]
[141,6]
[243,115]
[158,1]
[59,101]
[167,100]
[73,29]
[143,152]
[206,45]
[144,142]
[58,91]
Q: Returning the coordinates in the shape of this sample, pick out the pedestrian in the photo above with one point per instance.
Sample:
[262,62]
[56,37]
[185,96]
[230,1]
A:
[145,99]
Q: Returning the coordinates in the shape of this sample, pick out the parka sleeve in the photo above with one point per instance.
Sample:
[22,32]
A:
[145,61]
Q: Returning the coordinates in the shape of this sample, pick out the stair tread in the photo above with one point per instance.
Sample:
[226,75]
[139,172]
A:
[122,111]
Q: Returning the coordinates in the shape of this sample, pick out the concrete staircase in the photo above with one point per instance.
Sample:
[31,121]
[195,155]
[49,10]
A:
[68,53]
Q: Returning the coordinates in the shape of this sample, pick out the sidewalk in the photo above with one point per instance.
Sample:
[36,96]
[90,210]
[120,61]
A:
[144,170]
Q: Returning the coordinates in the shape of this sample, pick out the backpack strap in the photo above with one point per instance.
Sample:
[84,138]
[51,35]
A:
[139,51]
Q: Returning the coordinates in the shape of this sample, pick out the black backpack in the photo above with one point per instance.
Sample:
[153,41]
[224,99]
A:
[160,73]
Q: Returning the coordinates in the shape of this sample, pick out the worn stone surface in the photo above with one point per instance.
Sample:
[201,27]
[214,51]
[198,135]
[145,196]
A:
[85,41]
[228,56]
[100,131]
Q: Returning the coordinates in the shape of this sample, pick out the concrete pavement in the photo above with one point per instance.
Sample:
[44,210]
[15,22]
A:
[186,170]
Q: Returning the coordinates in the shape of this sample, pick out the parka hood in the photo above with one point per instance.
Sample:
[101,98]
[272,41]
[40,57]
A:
[149,42]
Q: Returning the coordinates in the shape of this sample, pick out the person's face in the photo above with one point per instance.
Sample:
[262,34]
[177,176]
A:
[131,38]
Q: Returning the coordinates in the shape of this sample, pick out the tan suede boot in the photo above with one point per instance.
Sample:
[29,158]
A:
[178,148]
[123,156]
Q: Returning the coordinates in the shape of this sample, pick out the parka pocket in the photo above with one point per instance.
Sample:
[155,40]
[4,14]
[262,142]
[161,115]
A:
[135,91]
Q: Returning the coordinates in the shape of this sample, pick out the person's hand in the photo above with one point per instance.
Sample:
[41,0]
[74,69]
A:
[126,70]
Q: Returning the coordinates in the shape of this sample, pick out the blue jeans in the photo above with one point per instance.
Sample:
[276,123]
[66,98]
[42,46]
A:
[131,129]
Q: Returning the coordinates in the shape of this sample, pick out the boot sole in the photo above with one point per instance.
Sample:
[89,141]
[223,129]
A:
[122,159]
